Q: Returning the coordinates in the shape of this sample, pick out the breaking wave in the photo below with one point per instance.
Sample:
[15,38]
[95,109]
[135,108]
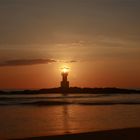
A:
[71,99]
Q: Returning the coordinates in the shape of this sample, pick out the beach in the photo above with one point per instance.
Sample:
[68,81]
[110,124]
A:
[118,134]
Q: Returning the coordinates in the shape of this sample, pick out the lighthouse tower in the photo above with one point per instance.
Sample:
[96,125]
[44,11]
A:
[64,82]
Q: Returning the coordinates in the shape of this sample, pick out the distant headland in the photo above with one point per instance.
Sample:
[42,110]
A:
[107,90]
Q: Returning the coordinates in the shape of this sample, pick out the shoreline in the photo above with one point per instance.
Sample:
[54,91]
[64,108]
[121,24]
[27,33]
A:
[116,134]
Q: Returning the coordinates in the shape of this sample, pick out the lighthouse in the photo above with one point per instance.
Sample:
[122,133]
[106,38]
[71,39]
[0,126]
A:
[64,83]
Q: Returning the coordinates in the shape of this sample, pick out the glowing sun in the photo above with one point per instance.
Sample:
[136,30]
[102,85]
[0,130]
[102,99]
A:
[65,69]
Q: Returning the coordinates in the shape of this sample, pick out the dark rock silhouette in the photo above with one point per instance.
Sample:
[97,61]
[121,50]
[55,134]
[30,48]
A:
[75,90]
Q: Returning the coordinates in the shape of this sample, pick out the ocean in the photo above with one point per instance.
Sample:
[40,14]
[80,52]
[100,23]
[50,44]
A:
[24,116]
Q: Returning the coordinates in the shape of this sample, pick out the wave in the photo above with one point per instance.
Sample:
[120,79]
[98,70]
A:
[54,103]
[86,99]
[54,97]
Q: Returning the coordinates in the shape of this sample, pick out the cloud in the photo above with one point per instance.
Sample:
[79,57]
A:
[24,62]
[69,61]
[72,61]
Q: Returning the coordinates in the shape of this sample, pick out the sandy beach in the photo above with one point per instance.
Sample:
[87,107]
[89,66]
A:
[118,134]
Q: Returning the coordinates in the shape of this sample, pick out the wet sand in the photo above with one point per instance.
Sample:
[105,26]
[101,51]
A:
[118,134]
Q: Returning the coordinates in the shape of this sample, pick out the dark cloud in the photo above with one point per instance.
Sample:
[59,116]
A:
[71,61]
[23,62]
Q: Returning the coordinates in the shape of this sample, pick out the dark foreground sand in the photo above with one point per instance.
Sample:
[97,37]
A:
[120,134]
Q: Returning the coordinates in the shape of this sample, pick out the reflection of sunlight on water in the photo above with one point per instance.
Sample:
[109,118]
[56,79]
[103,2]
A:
[65,112]
[66,119]
[36,121]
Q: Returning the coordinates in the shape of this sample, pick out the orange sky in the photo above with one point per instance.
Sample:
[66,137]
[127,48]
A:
[99,40]
[83,74]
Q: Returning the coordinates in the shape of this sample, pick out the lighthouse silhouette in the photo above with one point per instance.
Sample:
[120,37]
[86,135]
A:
[64,83]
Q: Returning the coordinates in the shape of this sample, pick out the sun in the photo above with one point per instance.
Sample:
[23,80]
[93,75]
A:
[65,70]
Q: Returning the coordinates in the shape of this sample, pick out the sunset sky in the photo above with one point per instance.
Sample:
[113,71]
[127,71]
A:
[99,40]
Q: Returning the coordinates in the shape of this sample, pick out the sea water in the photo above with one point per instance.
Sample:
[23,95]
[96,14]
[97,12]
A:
[31,115]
